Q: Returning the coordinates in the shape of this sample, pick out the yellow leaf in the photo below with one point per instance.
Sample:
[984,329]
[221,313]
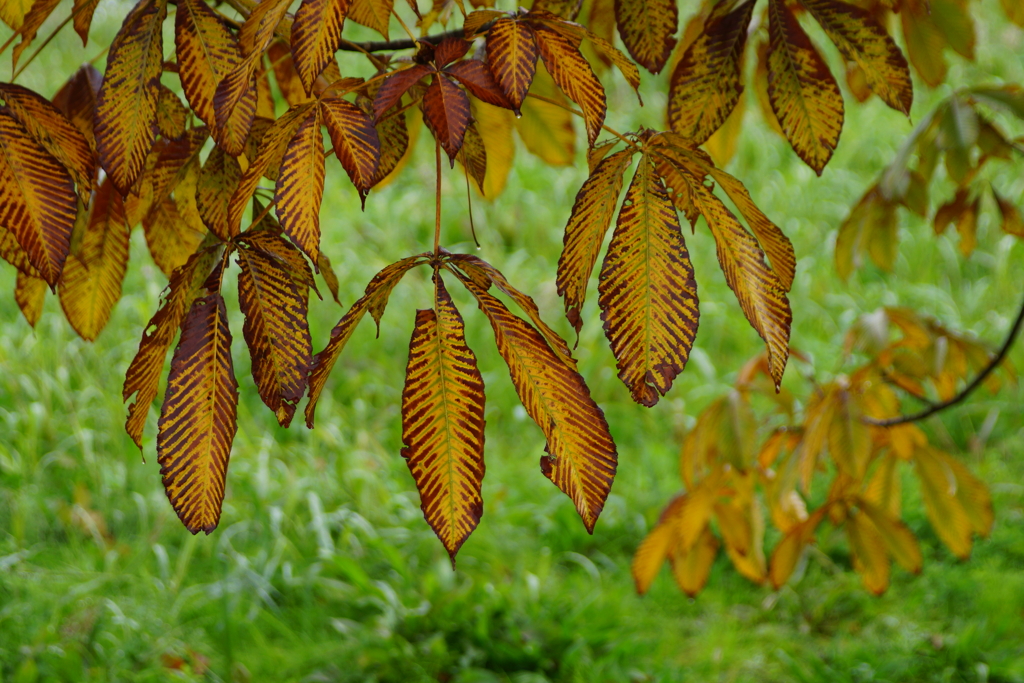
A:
[723,143]
[29,294]
[12,12]
[37,199]
[707,83]
[498,145]
[580,457]
[375,14]
[898,539]
[647,28]
[300,185]
[803,93]
[127,100]
[376,295]
[849,440]
[925,41]
[868,551]
[869,231]
[443,422]
[316,33]
[884,489]
[945,511]
[217,181]
[143,373]
[512,55]
[584,234]
[789,550]
[574,76]
[197,420]
[171,234]
[691,568]
[651,554]
[865,43]
[648,296]
[1014,11]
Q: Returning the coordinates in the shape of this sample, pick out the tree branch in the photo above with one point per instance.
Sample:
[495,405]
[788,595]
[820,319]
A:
[975,383]
[394,45]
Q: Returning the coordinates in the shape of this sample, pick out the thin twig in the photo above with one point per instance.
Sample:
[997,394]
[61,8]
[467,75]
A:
[437,201]
[53,34]
[395,45]
[469,197]
[580,114]
[975,383]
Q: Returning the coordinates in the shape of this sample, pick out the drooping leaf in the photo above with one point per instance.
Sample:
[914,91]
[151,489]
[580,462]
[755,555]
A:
[171,114]
[574,76]
[479,81]
[12,12]
[869,553]
[300,185]
[924,40]
[283,253]
[394,86]
[76,99]
[272,149]
[217,181]
[81,13]
[207,52]
[512,55]
[443,422]
[498,145]
[198,418]
[849,440]
[691,568]
[33,21]
[127,101]
[316,34]
[90,285]
[869,230]
[803,93]
[945,512]
[171,237]
[143,373]
[789,550]
[30,294]
[865,43]
[648,296]
[13,253]
[1012,222]
[356,142]
[581,458]
[276,331]
[1014,11]
[50,128]
[446,112]
[375,14]
[647,28]
[898,538]
[376,296]
[708,81]
[653,550]
[473,155]
[37,199]
[266,18]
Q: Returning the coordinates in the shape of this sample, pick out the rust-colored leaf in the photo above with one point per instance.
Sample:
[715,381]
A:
[446,113]
[207,52]
[356,141]
[143,373]
[512,55]
[51,129]
[316,34]
[443,422]
[300,185]
[803,93]
[30,294]
[375,14]
[76,99]
[394,86]
[708,81]
[479,81]
[90,285]
[574,76]
[81,14]
[37,199]
[127,101]
[648,296]
[865,43]
[647,28]
[376,297]
[217,181]
[198,417]
[581,458]
[276,331]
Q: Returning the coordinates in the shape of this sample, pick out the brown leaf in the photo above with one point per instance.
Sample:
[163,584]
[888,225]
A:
[356,141]
[446,113]
[479,81]
[394,87]
[76,99]
[127,100]
[81,14]
[647,28]
[512,55]
[300,185]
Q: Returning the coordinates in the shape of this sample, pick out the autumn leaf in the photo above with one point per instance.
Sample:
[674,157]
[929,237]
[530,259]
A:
[547,129]
[864,42]
[803,93]
[37,199]
[499,146]
[375,296]
[34,19]
[446,112]
[218,178]
[198,419]
[708,81]
[316,34]
[356,141]
[127,100]
[207,52]
[90,285]
[171,236]
[143,373]
[473,155]
[648,296]
[574,76]
[512,55]
[869,553]
[580,457]
[76,99]
[443,422]
[300,185]
[647,28]
[477,78]
[30,294]
[81,18]
[394,86]
[375,14]
[48,126]
[275,330]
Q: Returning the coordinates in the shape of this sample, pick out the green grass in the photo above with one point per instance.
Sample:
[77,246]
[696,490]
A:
[323,569]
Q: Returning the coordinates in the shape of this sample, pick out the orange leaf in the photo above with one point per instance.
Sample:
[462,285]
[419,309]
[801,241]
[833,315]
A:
[394,86]
[647,28]
[300,185]
[316,34]
[446,112]
[479,81]
[512,56]
[375,14]
[356,142]
[127,100]
[574,76]
[37,199]
[443,422]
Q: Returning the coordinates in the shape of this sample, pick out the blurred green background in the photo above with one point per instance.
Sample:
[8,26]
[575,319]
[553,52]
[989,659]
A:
[323,568]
